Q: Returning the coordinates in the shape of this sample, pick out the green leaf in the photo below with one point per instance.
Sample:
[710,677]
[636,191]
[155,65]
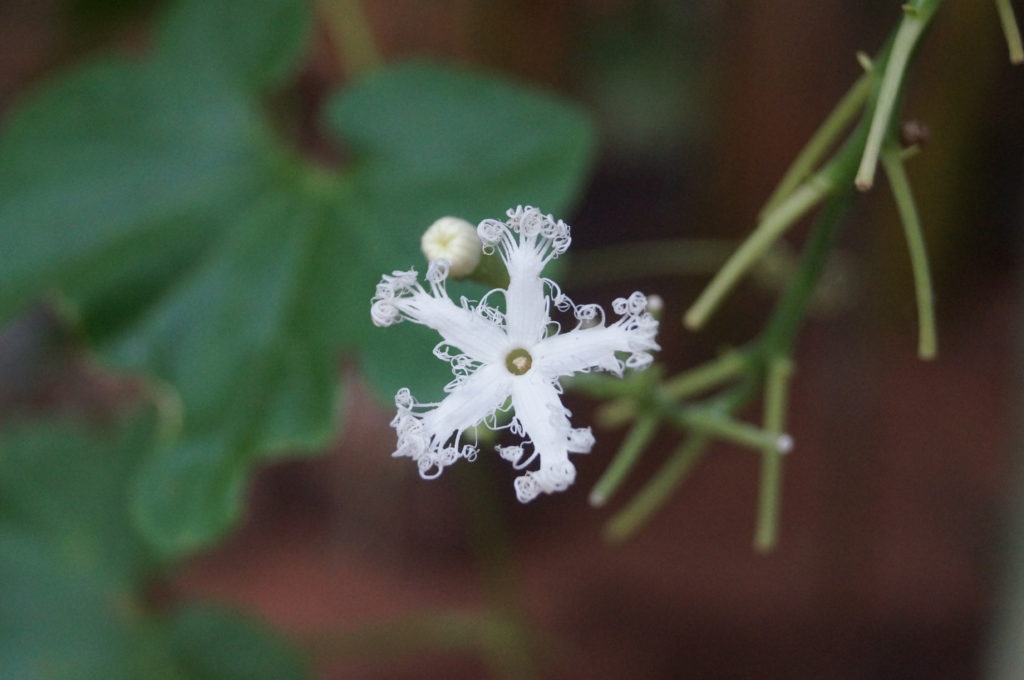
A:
[256,43]
[74,571]
[212,644]
[69,560]
[66,487]
[193,246]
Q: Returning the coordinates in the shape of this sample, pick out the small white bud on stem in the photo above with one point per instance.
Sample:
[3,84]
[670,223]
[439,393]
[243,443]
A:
[455,240]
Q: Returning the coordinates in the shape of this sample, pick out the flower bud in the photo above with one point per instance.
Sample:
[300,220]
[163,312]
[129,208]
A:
[455,240]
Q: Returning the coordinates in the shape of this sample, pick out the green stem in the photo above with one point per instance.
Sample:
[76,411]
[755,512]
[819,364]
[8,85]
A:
[927,346]
[915,19]
[714,423]
[780,331]
[635,442]
[839,171]
[657,490]
[654,494]
[812,154]
[352,35]
[792,208]
[1010,30]
[704,377]
[770,494]
[625,392]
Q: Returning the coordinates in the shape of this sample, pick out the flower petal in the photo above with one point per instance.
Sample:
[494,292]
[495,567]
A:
[543,419]
[401,297]
[595,347]
[526,242]
[425,430]
[526,305]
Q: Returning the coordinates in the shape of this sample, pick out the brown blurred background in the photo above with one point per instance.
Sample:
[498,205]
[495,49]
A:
[895,500]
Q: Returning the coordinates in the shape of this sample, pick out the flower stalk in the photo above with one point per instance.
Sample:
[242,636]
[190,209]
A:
[1011,30]
[774,225]
[892,162]
[916,17]
[637,439]
[658,490]
[776,397]
[823,139]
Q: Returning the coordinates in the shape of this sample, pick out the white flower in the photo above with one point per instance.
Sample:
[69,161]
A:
[510,357]
[455,240]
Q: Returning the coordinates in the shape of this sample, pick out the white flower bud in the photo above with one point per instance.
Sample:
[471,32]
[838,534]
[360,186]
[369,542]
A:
[455,240]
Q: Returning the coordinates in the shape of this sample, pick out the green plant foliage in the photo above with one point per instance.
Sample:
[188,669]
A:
[210,643]
[193,245]
[73,569]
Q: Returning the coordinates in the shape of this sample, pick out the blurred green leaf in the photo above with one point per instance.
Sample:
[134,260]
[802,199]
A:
[193,245]
[73,571]
[69,561]
[210,643]
[256,43]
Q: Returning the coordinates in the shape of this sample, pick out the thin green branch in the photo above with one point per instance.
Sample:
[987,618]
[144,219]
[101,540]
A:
[791,209]
[915,19]
[657,490]
[823,139]
[782,326]
[1010,30]
[706,376]
[779,370]
[927,344]
[714,423]
[690,383]
[636,441]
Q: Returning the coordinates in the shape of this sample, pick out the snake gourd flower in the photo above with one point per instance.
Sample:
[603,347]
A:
[510,355]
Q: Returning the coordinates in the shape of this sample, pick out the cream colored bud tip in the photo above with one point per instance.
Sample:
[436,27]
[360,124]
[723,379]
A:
[455,240]
[655,304]
[784,444]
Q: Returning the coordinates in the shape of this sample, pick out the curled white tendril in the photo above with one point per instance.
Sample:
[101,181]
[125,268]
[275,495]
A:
[430,453]
[526,223]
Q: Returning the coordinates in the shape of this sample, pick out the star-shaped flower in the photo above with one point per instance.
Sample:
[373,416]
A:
[510,355]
